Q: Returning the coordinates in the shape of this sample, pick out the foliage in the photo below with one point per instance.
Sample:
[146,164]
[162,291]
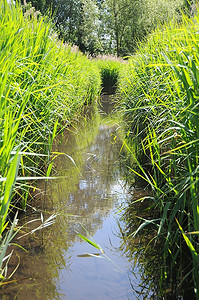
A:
[110,26]
[110,67]
[76,21]
[44,85]
[90,27]
[159,89]
[143,250]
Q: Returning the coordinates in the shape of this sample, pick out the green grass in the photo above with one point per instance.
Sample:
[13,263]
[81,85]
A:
[44,86]
[110,68]
[159,91]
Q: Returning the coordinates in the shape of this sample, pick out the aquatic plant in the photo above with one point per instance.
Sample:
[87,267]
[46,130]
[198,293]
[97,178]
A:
[159,90]
[44,85]
[109,69]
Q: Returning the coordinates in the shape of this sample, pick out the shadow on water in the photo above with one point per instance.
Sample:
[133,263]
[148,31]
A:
[147,252]
[160,277]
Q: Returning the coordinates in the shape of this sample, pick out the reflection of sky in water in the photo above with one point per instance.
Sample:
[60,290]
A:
[83,185]
[94,277]
[92,200]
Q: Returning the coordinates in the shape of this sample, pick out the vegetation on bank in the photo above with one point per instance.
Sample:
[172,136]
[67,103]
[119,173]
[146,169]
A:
[159,92]
[108,26]
[44,85]
[110,69]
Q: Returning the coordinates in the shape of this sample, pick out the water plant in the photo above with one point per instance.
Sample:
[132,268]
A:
[159,89]
[110,67]
[44,85]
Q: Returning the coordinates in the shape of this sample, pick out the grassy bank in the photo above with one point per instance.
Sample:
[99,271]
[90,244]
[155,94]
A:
[159,90]
[44,85]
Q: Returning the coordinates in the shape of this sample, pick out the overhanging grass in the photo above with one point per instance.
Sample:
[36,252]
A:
[159,89]
[44,85]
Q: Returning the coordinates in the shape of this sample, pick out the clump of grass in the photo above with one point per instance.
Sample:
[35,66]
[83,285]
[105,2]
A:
[159,88]
[44,85]
[110,67]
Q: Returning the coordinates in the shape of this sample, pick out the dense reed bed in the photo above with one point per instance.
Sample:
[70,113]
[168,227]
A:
[110,69]
[44,85]
[159,91]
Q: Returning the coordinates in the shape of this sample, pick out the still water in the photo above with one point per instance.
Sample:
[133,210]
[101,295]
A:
[87,198]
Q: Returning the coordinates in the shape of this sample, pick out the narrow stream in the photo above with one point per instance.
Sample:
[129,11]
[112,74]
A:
[58,264]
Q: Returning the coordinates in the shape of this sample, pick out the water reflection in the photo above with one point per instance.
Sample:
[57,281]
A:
[87,196]
[146,251]
[88,193]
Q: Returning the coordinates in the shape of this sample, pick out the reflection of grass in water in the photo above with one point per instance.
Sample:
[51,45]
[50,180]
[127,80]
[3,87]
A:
[75,143]
[145,251]
[54,242]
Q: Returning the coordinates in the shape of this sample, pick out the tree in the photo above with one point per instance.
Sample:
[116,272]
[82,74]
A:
[67,16]
[90,27]
[130,21]
[108,26]
[38,5]
[121,17]
[77,21]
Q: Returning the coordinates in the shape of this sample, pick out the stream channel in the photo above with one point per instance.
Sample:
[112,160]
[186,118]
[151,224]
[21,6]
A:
[87,199]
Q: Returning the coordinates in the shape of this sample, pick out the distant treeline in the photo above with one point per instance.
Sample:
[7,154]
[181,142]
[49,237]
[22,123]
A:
[108,26]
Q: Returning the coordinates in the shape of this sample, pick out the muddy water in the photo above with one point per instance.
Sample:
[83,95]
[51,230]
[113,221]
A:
[57,263]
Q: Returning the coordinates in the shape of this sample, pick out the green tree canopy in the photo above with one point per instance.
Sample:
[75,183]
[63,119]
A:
[108,26]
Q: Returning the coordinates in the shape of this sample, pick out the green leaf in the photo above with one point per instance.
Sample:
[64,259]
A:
[89,241]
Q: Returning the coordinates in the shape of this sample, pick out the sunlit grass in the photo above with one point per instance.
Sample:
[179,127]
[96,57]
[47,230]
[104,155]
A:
[110,67]
[44,85]
[159,89]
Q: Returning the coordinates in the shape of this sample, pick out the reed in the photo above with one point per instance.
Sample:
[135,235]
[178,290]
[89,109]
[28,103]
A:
[159,90]
[109,67]
[44,85]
